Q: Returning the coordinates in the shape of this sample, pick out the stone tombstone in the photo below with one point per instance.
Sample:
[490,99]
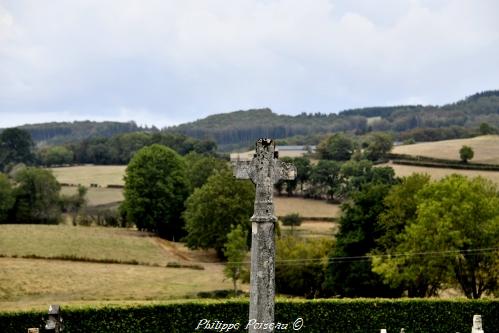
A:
[264,170]
[33,330]
[477,324]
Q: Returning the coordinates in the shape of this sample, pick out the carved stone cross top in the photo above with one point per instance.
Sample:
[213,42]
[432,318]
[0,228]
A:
[264,170]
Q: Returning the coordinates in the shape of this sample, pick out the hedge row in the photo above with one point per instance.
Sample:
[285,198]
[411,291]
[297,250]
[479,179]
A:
[439,162]
[356,316]
[447,166]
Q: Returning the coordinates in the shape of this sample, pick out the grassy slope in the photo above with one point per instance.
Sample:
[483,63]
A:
[31,282]
[26,283]
[438,173]
[486,149]
[82,242]
[97,195]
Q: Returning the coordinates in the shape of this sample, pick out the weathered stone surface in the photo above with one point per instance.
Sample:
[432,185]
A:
[264,170]
[477,324]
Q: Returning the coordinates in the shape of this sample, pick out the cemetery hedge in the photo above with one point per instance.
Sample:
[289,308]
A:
[327,315]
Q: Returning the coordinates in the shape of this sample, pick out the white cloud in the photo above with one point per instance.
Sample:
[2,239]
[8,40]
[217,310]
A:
[181,60]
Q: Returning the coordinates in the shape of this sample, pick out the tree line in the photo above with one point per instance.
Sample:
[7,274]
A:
[420,123]
[17,146]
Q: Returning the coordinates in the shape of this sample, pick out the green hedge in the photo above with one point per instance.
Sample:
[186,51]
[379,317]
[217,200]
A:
[439,162]
[356,316]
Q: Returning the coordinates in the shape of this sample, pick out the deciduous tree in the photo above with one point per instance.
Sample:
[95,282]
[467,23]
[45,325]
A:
[37,197]
[466,153]
[6,197]
[156,186]
[236,250]
[222,203]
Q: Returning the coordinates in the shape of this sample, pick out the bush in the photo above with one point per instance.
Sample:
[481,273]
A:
[355,316]
[292,220]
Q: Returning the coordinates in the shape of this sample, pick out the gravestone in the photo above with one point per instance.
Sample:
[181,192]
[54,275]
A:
[264,170]
[477,324]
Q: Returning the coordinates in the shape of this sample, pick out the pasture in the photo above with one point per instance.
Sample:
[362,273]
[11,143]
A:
[96,243]
[305,207]
[85,175]
[97,196]
[311,229]
[439,173]
[28,283]
[486,149]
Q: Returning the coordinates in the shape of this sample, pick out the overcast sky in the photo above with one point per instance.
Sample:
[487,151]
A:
[162,62]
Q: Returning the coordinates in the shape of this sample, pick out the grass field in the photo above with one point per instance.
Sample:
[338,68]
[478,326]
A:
[31,282]
[97,195]
[305,207]
[486,149]
[83,242]
[27,283]
[312,229]
[85,175]
[438,173]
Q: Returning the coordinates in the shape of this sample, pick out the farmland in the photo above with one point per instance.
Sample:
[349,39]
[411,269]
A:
[26,283]
[97,243]
[85,175]
[97,196]
[486,149]
[438,173]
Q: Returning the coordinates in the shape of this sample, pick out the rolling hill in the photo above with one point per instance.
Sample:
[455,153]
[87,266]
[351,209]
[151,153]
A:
[423,123]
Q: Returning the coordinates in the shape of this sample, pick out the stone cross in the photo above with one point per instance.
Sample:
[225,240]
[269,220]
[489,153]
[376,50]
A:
[264,170]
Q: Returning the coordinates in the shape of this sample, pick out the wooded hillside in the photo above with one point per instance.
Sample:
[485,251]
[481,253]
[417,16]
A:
[421,123]
[57,133]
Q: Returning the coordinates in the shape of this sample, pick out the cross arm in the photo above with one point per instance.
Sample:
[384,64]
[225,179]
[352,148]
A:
[242,169]
[284,171]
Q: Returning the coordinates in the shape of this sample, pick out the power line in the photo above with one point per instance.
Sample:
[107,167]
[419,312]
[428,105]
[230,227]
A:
[301,261]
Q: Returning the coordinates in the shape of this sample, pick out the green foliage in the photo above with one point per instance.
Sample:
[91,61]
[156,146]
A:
[300,265]
[486,129]
[222,203]
[37,197]
[63,132]
[236,251]
[291,219]
[119,149]
[357,237]
[201,167]
[156,186]
[303,170]
[440,162]
[400,212]
[325,178]
[355,316]
[74,203]
[336,147]
[455,215]
[6,197]
[16,146]
[57,155]
[378,145]
[466,153]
